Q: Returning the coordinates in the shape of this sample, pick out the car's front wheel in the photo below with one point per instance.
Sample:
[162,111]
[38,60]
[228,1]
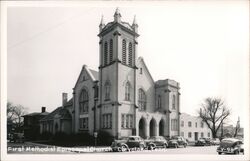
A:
[236,152]
[219,153]
[185,145]
[141,147]
[150,147]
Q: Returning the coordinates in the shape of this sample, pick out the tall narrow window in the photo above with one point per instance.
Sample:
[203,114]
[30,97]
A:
[107,90]
[142,100]
[127,91]
[174,126]
[173,102]
[182,123]
[127,121]
[122,121]
[130,54]
[131,121]
[84,123]
[124,52]
[105,53]
[110,50]
[159,102]
[202,124]
[83,102]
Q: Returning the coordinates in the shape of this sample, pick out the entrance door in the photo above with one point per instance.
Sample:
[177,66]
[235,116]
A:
[195,136]
[142,127]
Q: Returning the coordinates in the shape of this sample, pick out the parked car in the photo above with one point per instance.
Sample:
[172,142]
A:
[177,141]
[128,144]
[208,141]
[200,142]
[215,141]
[16,137]
[230,146]
[156,142]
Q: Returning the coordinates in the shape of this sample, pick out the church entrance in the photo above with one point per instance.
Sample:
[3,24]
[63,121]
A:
[161,128]
[142,128]
[152,127]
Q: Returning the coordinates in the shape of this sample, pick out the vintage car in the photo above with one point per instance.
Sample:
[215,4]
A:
[156,142]
[230,146]
[177,141]
[215,141]
[16,137]
[131,143]
[200,142]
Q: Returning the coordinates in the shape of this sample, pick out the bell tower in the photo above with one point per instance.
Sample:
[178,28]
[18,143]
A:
[117,72]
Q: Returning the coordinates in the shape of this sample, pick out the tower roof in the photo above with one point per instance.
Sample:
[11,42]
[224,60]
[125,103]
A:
[118,22]
[102,21]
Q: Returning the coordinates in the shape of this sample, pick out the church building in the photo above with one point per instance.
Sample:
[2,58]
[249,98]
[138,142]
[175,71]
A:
[120,98]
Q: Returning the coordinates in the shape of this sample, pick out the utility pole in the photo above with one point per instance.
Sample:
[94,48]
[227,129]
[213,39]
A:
[94,109]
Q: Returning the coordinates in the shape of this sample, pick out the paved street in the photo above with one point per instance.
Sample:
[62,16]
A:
[32,148]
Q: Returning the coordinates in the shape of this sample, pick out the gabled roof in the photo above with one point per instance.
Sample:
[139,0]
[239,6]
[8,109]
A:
[91,73]
[37,113]
[95,74]
[63,113]
[69,103]
[140,60]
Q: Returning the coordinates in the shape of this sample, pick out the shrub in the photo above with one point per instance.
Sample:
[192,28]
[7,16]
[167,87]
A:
[45,136]
[104,138]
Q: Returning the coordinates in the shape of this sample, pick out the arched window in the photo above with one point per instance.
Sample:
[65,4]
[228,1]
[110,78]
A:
[142,100]
[105,53]
[107,87]
[127,91]
[124,54]
[173,102]
[130,54]
[84,102]
[110,50]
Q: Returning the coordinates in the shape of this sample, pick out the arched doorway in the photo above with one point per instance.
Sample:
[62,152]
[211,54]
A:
[152,127]
[142,128]
[161,128]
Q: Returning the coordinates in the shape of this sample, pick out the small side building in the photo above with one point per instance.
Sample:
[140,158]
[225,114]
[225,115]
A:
[193,128]
[59,120]
[31,123]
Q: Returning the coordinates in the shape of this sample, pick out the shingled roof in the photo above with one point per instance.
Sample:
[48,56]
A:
[62,112]
[94,73]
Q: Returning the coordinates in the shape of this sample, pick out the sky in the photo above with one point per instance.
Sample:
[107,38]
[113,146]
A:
[202,45]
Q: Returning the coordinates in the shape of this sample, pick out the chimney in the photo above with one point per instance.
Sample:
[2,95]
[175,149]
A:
[43,109]
[64,99]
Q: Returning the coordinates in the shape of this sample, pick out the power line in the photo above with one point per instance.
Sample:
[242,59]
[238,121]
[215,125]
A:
[48,29]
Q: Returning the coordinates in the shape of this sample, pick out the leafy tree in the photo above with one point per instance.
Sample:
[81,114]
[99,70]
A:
[213,112]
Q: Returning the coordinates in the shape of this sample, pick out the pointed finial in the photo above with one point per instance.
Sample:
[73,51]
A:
[117,11]
[102,25]
[135,22]
[117,15]
[135,25]
[102,21]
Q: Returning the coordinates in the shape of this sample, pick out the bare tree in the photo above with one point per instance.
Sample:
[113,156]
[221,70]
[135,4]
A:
[213,112]
[15,113]
[237,128]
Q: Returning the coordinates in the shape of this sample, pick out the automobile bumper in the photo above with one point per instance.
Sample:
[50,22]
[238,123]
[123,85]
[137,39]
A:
[225,151]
